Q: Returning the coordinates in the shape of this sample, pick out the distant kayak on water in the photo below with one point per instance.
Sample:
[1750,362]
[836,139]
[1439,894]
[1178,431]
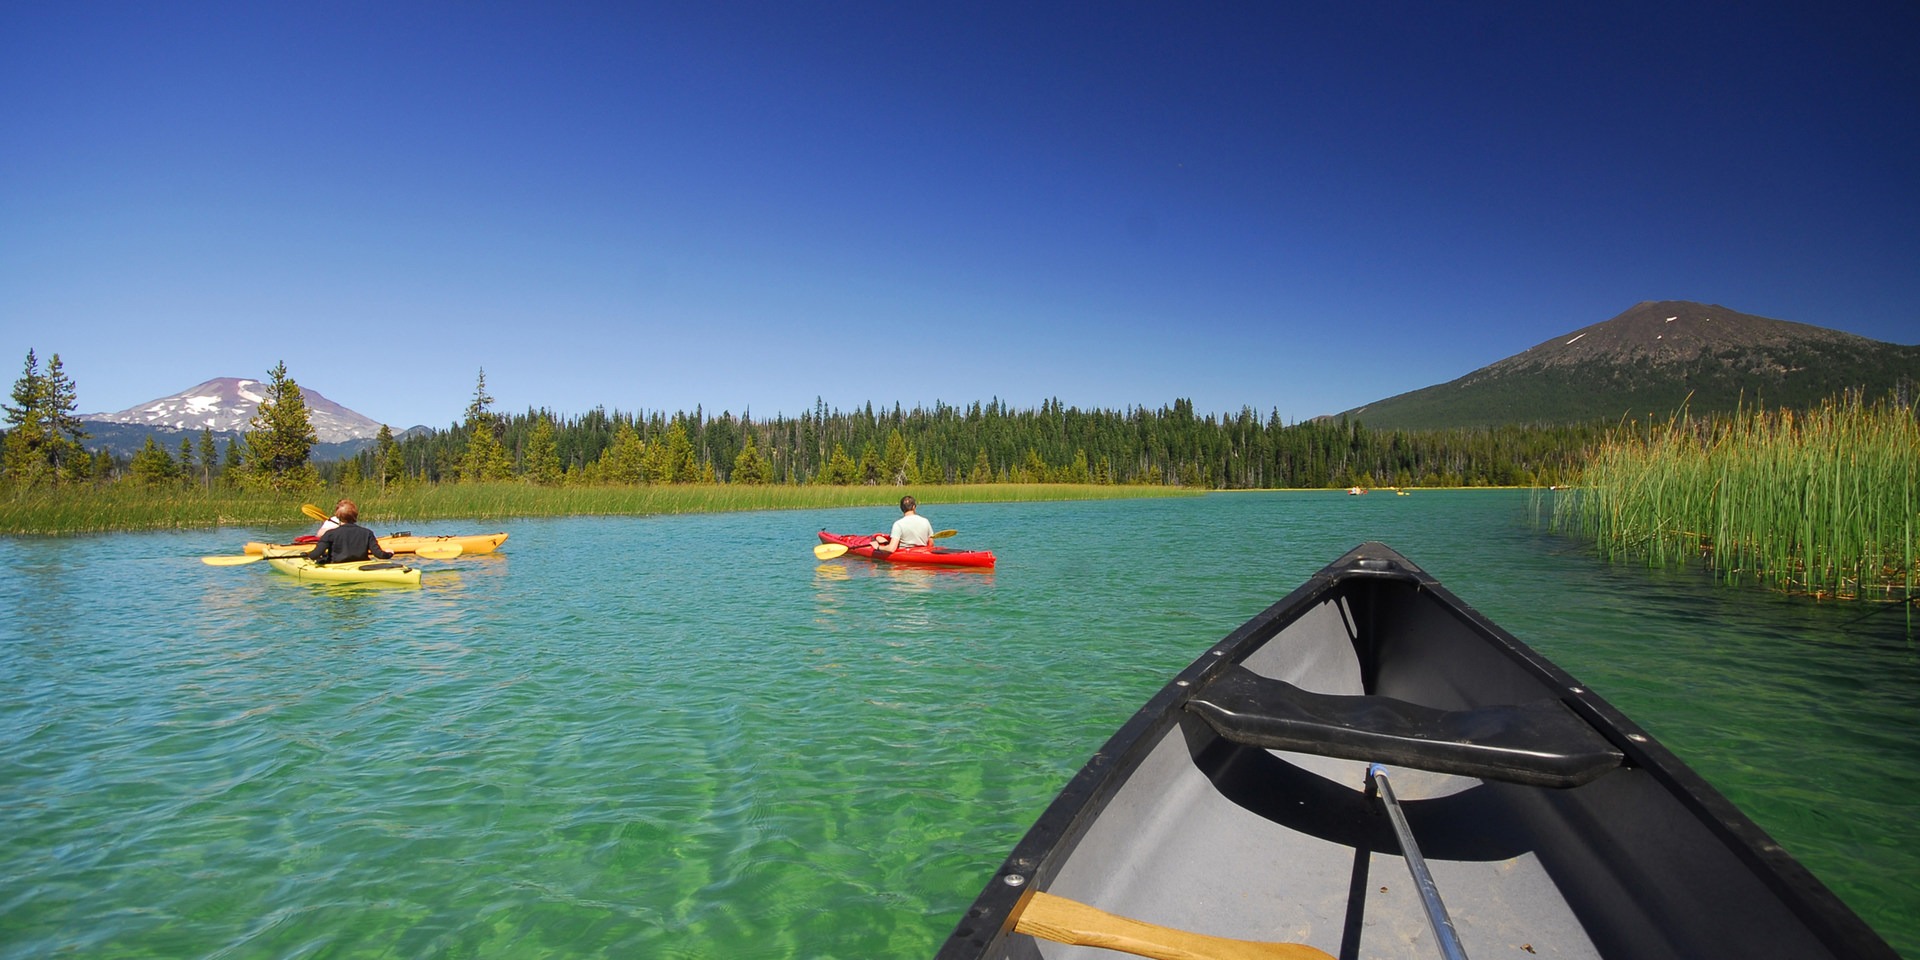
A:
[861,545]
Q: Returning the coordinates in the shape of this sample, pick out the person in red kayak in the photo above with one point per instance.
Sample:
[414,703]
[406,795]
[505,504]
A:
[348,541]
[911,530]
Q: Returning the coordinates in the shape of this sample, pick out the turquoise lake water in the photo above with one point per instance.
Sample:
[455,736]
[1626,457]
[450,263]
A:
[683,737]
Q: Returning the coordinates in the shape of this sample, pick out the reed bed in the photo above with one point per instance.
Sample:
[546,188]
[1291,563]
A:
[103,509]
[1818,502]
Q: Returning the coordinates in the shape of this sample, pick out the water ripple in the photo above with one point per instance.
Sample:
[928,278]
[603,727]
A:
[683,737]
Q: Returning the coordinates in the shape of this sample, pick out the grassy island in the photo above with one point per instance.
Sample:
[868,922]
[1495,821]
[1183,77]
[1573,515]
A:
[1820,502]
[71,510]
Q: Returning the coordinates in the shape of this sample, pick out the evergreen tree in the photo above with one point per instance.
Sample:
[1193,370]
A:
[893,463]
[281,441]
[748,467]
[151,467]
[209,456]
[841,470]
[982,470]
[485,457]
[675,463]
[626,460]
[543,455]
[43,441]
[25,449]
[65,431]
[481,407]
[390,464]
[1079,472]
[185,460]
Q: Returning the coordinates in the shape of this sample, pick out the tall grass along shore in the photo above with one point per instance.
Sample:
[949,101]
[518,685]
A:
[73,510]
[1820,502]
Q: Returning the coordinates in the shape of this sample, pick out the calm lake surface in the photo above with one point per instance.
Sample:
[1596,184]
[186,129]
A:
[684,737]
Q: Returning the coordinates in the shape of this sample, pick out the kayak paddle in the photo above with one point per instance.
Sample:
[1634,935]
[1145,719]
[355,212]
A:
[314,512]
[1070,921]
[432,551]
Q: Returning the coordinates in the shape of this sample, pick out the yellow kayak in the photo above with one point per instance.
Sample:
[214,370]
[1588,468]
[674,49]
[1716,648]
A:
[352,571]
[396,543]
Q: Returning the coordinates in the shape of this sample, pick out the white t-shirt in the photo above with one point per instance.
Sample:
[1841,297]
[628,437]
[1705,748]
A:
[911,530]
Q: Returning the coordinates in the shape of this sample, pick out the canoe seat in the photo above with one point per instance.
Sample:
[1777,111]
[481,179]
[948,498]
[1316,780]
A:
[1539,744]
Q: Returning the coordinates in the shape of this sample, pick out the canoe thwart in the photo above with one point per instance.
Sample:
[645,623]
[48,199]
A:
[1543,743]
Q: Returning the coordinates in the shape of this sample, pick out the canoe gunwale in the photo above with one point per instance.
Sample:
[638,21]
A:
[985,929]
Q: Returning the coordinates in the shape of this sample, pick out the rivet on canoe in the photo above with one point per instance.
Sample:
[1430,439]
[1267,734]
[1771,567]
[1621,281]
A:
[1014,880]
[1182,683]
[1578,689]
[1637,737]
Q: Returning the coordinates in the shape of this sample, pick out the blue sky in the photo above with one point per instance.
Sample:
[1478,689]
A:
[1298,207]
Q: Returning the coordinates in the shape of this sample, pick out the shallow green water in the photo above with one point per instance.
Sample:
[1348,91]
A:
[683,737]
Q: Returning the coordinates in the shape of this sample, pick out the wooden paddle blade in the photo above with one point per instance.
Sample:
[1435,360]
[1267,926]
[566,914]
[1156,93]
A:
[231,561]
[440,551]
[1070,921]
[827,551]
[314,512]
[944,534]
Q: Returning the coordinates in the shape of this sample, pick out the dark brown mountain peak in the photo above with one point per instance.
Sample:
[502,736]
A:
[1670,332]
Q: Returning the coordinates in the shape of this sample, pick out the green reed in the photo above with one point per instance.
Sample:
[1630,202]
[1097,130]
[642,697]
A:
[75,510]
[1820,502]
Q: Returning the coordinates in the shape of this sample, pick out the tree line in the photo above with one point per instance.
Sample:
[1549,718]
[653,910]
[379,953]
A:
[980,443]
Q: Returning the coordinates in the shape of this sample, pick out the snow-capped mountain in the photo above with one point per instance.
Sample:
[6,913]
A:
[228,404]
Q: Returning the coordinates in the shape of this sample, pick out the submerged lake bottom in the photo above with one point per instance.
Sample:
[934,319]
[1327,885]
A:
[686,737]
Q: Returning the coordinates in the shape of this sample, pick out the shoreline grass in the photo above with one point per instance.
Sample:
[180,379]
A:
[70,511]
[1817,502]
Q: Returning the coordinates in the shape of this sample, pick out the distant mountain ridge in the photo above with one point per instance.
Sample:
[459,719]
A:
[1651,359]
[226,406]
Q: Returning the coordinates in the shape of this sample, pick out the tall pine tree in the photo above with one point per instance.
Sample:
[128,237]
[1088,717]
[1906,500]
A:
[485,458]
[43,443]
[280,446]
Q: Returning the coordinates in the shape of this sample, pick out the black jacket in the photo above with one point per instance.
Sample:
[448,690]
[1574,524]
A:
[348,541]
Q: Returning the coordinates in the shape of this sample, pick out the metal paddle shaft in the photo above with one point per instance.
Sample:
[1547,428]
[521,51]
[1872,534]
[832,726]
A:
[1417,865]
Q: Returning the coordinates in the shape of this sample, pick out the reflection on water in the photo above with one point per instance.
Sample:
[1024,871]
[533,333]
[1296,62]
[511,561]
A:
[687,737]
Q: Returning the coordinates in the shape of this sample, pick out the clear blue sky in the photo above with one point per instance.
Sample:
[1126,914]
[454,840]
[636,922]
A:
[1299,207]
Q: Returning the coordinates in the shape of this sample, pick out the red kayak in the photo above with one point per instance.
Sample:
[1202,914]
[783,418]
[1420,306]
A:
[862,545]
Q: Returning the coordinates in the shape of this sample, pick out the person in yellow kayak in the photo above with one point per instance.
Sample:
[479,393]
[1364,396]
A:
[911,530]
[349,541]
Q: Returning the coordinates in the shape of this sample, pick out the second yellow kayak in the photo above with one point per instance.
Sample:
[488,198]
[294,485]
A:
[396,543]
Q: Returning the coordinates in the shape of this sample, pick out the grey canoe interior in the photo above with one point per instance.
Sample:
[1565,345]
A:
[1237,804]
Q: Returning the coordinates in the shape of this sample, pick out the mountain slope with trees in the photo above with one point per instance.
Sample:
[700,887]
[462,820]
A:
[1651,360]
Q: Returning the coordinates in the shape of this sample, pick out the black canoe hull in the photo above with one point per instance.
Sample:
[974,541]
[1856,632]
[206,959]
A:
[1235,804]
